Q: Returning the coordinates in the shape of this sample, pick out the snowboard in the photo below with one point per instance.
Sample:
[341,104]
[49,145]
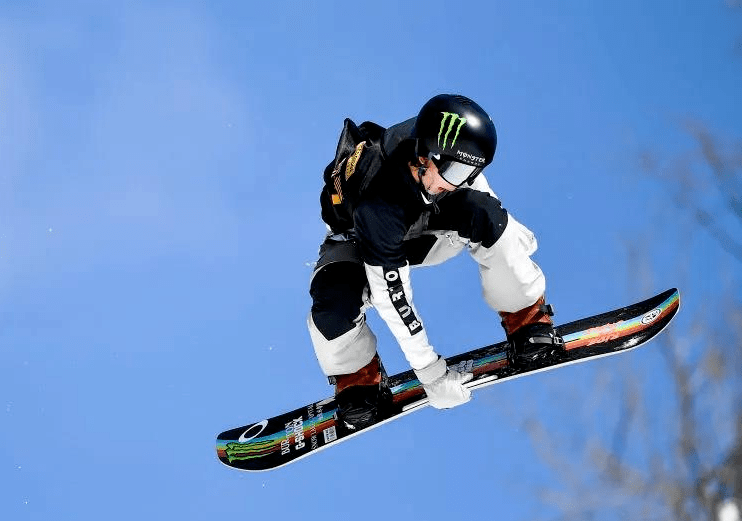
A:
[291,436]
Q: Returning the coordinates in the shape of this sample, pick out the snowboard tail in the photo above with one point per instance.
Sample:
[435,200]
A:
[285,438]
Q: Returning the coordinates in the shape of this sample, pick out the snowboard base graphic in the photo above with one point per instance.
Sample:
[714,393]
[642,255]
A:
[283,439]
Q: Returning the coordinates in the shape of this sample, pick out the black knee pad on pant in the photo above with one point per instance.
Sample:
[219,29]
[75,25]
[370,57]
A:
[337,297]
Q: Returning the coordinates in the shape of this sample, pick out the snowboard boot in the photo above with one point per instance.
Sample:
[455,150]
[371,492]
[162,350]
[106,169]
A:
[363,397]
[531,334]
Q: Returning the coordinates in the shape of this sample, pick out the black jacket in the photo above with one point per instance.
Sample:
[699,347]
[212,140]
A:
[383,205]
[384,201]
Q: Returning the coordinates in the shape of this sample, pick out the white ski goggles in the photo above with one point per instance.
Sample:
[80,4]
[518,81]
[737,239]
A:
[454,172]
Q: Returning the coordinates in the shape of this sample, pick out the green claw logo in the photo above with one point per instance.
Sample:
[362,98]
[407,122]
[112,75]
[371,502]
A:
[452,119]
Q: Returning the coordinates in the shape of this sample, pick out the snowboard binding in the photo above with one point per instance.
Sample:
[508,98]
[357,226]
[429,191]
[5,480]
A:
[360,406]
[534,345]
[363,405]
[531,336]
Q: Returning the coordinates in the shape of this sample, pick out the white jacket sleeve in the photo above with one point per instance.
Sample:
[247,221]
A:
[391,295]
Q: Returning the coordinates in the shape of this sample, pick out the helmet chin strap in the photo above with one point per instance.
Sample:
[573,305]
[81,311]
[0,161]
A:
[428,198]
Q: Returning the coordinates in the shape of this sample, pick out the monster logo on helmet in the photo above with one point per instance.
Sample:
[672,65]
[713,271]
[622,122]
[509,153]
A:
[458,135]
[451,123]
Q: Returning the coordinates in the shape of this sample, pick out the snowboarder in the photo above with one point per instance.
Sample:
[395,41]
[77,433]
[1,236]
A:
[412,195]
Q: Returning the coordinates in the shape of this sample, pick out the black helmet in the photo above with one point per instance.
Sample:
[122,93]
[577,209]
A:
[457,135]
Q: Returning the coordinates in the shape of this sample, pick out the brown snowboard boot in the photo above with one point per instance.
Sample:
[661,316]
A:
[362,397]
[531,334]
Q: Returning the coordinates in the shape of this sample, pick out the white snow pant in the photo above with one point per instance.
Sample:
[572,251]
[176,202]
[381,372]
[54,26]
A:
[510,280]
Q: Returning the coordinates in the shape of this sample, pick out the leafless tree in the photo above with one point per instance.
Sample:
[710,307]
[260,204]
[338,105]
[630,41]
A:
[674,446]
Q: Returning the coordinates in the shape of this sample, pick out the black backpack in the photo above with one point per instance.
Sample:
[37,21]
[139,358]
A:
[358,158]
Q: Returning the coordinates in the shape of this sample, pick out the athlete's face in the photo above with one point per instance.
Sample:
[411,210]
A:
[432,181]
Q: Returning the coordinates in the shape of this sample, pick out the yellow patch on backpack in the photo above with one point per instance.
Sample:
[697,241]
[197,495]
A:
[350,166]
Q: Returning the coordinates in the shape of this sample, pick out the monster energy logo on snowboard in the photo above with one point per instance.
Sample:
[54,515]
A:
[452,118]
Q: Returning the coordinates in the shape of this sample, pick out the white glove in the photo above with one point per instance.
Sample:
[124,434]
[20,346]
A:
[445,388]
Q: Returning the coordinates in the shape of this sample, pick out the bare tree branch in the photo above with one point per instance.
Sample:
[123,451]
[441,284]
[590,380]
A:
[701,413]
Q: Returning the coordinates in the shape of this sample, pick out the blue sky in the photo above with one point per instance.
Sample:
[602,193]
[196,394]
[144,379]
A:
[160,165]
